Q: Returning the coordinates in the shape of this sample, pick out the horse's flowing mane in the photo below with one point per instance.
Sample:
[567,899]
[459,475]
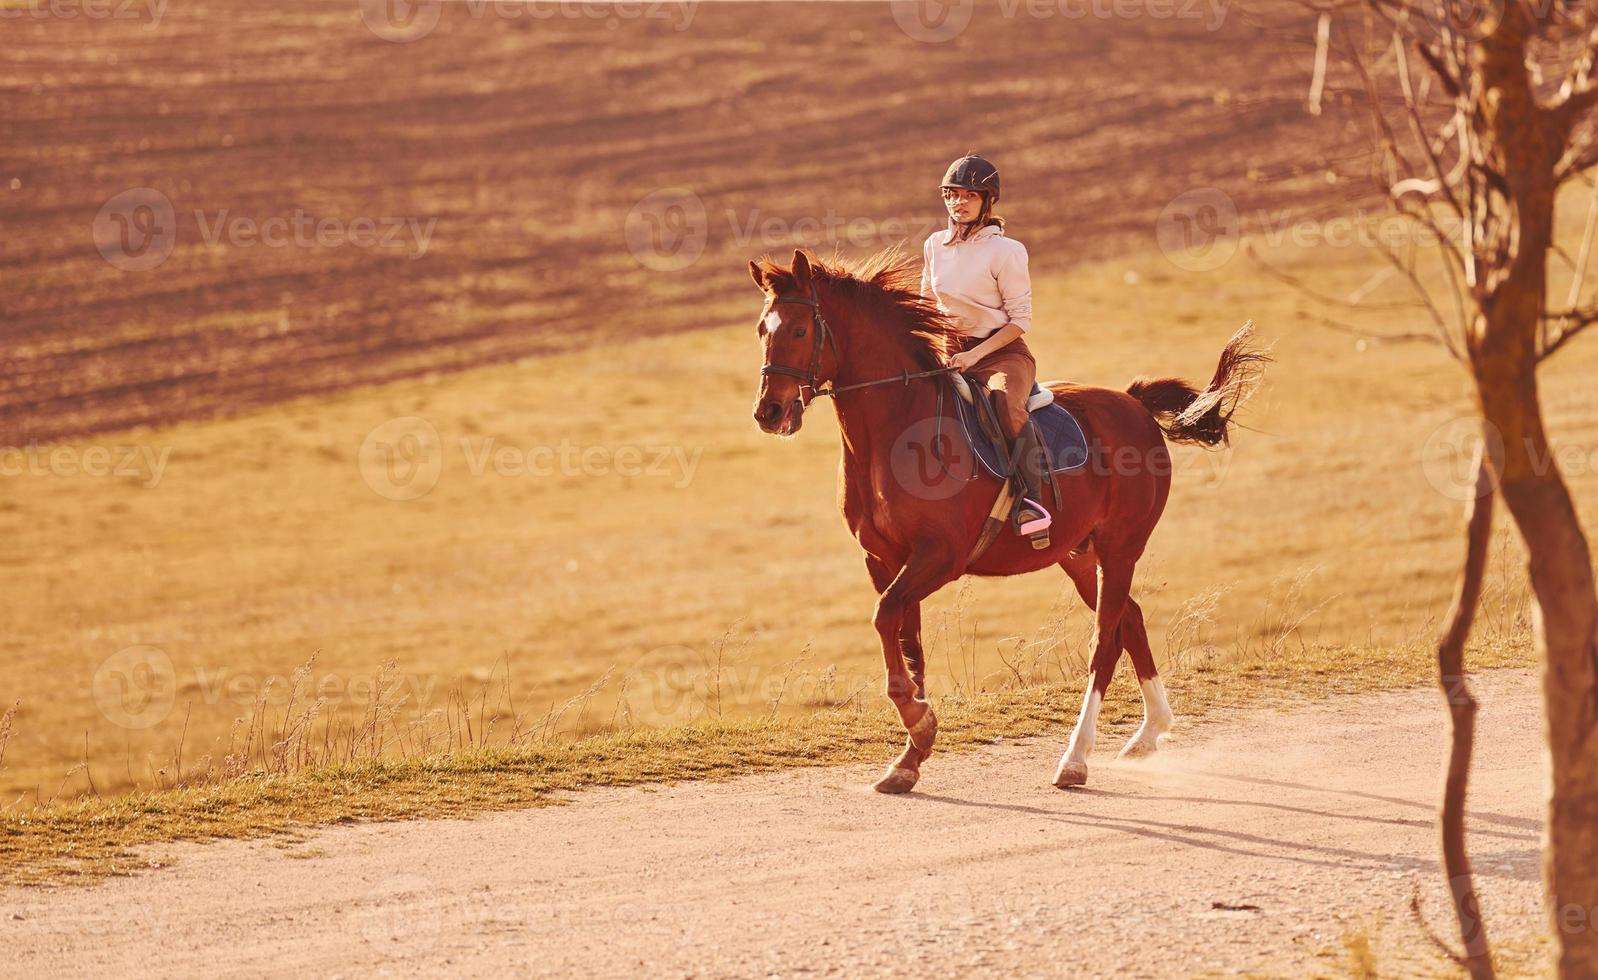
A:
[885,288]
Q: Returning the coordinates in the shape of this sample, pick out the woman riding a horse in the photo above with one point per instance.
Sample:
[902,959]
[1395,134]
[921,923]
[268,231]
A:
[979,280]
[881,348]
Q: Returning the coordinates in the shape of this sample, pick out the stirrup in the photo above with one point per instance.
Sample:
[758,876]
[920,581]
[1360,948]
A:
[1031,525]
[1032,521]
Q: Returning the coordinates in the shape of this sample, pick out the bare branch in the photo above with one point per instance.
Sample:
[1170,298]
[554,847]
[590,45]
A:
[1323,34]
[1438,942]
[1445,181]
[1391,149]
[1579,92]
[1451,82]
[1581,156]
[1573,322]
[1462,718]
[1558,328]
[1419,213]
[1580,264]
[1370,285]
[1289,279]
[1374,337]
[1443,335]
[1456,289]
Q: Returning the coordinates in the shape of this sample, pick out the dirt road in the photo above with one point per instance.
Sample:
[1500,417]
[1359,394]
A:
[1253,844]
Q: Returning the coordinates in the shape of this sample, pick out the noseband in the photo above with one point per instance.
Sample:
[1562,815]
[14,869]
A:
[807,377]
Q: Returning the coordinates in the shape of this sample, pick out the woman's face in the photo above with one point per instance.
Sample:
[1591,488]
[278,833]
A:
[963,205]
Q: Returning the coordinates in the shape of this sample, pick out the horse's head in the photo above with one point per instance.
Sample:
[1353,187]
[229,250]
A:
[799,354]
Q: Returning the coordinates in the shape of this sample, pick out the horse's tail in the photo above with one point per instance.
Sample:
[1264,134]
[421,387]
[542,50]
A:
[1204,417]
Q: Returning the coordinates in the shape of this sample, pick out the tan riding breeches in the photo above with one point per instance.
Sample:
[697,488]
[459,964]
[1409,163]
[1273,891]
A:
[1012,370]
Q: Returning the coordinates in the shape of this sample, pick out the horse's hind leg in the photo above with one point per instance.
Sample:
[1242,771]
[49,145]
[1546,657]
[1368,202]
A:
[1111,596]
[1157,717]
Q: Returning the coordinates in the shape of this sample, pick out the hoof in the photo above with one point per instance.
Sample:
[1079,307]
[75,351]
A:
[897,780]
[1139,747]
[1071,774]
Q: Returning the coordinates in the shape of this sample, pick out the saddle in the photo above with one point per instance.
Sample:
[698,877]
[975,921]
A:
[1039,399]
[1059,432]
[1060,437]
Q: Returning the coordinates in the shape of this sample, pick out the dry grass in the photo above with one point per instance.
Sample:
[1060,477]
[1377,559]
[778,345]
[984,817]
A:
[535,627]
[1368,948]
[264,545]
[1357,946]
[91,838]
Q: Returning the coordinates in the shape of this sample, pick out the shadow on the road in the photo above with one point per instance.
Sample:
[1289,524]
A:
[1362,818]
[1521,864]
[1284,850]
[1502,820]
[1018,807]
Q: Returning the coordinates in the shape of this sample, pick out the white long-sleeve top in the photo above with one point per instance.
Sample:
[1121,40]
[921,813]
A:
[982,282]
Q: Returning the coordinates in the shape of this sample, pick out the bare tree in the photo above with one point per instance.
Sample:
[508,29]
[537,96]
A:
[1481,110]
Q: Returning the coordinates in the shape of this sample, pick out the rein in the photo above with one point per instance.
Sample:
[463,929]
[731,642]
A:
[807,378]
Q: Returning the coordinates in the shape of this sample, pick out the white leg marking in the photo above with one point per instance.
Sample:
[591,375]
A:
[1156,710]
[1086,730]
[1157,718]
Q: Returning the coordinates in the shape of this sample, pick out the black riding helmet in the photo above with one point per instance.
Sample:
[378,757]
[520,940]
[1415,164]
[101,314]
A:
[973,173]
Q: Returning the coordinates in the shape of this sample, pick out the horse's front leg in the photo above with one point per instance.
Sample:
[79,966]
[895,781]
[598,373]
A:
[910,648]
[898,622]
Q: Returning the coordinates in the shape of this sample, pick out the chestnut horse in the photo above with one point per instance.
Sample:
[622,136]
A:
[866,337]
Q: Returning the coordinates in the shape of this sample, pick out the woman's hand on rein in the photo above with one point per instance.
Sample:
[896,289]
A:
[963,360]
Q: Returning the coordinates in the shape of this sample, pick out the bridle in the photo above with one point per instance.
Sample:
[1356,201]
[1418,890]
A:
[807,380]
[823,338]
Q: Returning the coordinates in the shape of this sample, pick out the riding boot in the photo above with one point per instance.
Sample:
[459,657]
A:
[1030,464]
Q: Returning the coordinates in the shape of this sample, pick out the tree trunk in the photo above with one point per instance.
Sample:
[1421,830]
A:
[1503,349]
[1566,624]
